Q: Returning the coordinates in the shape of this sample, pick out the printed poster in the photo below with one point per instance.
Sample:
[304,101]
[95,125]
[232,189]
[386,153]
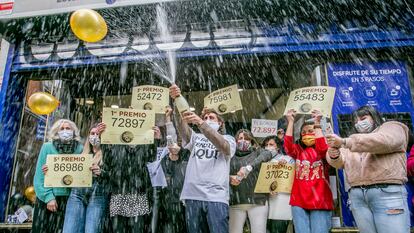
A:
[262,128]
[276,177]
[128,126]
[68,170]
[306,99]
[149,97]
[224,100]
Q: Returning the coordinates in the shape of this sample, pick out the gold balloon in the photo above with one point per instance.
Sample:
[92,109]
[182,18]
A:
[42,103]
[88,25]
[30,194]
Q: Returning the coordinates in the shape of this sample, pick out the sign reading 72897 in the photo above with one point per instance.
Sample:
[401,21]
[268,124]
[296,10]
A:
[128,126]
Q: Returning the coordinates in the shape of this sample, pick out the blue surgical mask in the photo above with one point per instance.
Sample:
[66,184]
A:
[213,124]
[65,135]
[364,126]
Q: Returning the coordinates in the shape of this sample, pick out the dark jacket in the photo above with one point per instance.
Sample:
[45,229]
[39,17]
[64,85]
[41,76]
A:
[124,168]
[174,174]
[244,192]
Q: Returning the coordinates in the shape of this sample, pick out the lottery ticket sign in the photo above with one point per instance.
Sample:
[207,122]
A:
[128,126]
[262,128]
[224,100]
[304,100]
[68,170]
[275,177]
[149,97]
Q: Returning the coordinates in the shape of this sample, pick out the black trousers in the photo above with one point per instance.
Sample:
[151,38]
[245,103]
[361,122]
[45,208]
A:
[138,224]
[45,221]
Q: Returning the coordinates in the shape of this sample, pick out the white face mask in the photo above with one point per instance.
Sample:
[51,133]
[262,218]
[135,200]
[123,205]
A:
[364,126]
[65,135]
[94,140]
[213,125]
[271,148]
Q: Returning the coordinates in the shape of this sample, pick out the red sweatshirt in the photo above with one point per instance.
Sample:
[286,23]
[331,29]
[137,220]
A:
[310,189]
[410,163]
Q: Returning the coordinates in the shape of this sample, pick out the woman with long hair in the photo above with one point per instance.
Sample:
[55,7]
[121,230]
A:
[374,162]
[50,205]
[244,202]
[86,207]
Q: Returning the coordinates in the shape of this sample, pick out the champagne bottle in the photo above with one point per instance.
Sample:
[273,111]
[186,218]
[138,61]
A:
[182,104]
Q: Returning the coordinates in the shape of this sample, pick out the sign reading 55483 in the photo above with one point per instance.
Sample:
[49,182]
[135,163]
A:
[304,100]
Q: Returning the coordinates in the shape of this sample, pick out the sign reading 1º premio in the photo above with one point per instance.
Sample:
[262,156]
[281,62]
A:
[224,100]
[68,170]
[149,97]
[275,177]
[306,99]
[128,126]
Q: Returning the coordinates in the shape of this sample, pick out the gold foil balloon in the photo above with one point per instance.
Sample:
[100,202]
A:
[30,194]
[88,25]
[42,103]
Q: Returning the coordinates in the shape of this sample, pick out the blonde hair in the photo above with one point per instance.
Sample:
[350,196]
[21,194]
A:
[97,158]
[53,131]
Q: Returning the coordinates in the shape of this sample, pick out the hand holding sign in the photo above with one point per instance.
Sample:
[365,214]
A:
[224,100]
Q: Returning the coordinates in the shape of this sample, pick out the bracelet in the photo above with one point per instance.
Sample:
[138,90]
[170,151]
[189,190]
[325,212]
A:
[317,126]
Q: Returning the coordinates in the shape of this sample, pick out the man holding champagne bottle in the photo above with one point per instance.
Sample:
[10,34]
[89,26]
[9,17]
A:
[206,184]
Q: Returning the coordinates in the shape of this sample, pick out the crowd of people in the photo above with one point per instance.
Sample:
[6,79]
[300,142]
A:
[211,178]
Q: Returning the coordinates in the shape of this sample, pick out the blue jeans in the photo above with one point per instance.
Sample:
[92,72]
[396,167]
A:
[381,210]
[311,221]
[206,217]
[85,210]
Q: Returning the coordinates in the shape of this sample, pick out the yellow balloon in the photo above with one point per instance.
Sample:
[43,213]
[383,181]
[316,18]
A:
[88,25]
[42,103]
[30,194]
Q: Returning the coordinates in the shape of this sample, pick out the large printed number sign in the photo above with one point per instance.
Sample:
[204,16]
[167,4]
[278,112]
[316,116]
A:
[304,100]
[275,177]
[149,97]
[224,100]
[66,170]
[128,126]
[263,128]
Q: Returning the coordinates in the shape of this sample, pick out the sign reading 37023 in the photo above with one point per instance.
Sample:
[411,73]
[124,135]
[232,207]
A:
[304,100]
[128,126]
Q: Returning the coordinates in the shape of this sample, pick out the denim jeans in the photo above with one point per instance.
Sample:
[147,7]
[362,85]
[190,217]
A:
[381,210]
[311,221]
[85,210]
[206,217]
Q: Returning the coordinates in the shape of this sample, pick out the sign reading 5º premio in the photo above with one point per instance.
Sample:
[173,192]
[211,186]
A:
[306,99]
[128,126]
[224,100]
[275,177]
[68,170]
[149,97]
